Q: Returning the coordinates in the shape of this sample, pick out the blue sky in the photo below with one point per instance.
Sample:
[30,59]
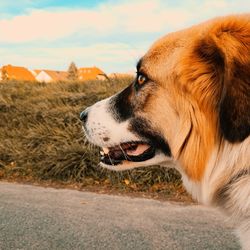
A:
[113,35]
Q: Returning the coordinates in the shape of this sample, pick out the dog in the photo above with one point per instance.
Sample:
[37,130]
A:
[188,106]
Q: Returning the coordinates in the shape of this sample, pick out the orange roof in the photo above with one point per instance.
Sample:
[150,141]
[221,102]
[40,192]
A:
[89,73]
[37,71]
[56,75]
[18,73]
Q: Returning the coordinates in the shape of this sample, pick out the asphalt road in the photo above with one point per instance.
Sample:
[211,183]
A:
[45,218]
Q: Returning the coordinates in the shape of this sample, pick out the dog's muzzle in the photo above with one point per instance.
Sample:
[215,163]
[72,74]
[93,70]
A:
[122,142]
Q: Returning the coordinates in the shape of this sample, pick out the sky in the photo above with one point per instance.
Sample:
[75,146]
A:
[109,34]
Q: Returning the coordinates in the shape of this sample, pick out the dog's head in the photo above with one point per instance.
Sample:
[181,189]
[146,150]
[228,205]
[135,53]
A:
[191,91]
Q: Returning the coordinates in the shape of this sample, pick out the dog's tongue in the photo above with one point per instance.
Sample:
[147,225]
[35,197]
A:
[140,149]
[134,150]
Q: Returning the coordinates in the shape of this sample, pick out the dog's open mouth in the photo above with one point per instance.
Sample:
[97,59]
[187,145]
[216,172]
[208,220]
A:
[130,151]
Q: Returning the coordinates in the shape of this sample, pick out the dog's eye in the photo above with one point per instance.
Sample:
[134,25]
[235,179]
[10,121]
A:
[141,79]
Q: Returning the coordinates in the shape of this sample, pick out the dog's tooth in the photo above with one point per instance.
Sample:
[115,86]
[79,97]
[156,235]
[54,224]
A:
[105,150]
[101,153]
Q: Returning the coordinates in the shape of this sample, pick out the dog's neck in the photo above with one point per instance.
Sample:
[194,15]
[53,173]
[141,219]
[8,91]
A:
[226,160]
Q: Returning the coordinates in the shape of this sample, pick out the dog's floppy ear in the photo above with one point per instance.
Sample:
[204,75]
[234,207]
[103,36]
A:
[235,102]
[227,48]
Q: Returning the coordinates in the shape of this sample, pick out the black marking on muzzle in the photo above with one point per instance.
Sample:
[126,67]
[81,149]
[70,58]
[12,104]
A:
[121,106]
[142,127]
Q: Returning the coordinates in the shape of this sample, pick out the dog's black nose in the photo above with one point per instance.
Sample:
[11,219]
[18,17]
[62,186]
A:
[84,116]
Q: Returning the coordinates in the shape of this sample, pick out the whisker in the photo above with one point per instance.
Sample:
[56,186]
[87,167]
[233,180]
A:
[123,152]
[110,160]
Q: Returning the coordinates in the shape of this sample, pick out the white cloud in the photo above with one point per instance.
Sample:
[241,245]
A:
[143,16]
[45,25]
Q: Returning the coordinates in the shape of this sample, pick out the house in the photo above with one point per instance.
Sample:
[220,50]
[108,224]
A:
[16,73]
[35,72]
[50,75]
[93,73]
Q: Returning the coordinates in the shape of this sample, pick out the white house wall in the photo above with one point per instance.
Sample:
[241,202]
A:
[43,77]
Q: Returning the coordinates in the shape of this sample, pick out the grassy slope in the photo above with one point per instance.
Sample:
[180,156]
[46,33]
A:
[42,139]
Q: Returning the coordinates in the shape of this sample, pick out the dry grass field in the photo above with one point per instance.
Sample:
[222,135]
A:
[42,139]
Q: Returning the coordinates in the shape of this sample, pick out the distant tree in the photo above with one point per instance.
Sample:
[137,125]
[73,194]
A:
[72,72]
[4,74]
